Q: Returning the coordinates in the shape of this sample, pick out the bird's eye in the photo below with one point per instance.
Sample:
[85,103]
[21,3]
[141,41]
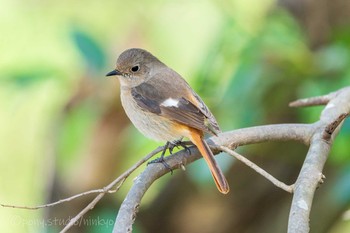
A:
[135,68]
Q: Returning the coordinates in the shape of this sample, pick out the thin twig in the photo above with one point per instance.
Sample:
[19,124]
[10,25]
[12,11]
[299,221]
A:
[273,180]
[313,101]
[60,201]
[90,206]
[120,179]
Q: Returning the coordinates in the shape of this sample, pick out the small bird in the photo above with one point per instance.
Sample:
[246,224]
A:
[163,106]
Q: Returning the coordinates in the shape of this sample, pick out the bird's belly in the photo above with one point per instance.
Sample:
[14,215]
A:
[151,125]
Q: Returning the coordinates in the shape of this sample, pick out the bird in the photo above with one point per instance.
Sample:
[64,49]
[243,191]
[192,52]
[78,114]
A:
[163,106]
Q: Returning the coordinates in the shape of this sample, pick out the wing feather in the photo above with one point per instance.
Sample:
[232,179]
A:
[152,95]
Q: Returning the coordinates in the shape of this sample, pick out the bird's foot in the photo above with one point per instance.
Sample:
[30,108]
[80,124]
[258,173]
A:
[170,146]
[180,143]
[161,158]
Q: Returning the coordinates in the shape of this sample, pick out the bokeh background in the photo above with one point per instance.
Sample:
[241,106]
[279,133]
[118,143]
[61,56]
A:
[63,131]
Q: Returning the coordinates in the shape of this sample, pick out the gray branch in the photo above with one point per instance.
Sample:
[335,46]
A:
[314,135]
[311,172]
[129,208]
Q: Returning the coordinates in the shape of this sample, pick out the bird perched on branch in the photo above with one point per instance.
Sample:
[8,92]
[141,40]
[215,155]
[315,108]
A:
[162,105]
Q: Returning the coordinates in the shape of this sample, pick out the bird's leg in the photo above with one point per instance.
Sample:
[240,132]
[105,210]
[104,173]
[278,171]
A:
[161,158]
[170,146]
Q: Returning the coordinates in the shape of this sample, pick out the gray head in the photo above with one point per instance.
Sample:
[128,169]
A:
[134,66]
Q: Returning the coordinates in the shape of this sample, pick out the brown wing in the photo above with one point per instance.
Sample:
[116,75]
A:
[152,95]
[186,113]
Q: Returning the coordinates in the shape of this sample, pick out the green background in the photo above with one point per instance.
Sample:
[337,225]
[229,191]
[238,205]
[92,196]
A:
[63,131]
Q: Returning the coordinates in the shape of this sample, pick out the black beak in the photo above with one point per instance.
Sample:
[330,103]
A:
[113,73]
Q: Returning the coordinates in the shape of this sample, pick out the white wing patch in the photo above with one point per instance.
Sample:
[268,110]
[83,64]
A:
[170,103]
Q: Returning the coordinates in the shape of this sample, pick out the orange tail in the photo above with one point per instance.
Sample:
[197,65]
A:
[219,178]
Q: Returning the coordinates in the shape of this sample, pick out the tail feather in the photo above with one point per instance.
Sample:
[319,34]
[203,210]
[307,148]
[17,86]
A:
[219,178]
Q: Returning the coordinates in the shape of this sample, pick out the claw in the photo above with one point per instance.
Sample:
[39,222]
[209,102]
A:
[161,158]
[170,146]
[179,143]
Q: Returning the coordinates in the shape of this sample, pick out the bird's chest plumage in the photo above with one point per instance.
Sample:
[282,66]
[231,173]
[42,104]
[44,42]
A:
[151,125]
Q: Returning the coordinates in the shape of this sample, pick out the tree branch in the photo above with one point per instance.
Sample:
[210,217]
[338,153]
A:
[276,182]
[319,136]
[282,132]
[310,176]
[71,198]
[109,187]
[311,172]
[319,100]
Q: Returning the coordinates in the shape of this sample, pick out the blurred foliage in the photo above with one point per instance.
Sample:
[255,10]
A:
[91,51]
[61,126]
